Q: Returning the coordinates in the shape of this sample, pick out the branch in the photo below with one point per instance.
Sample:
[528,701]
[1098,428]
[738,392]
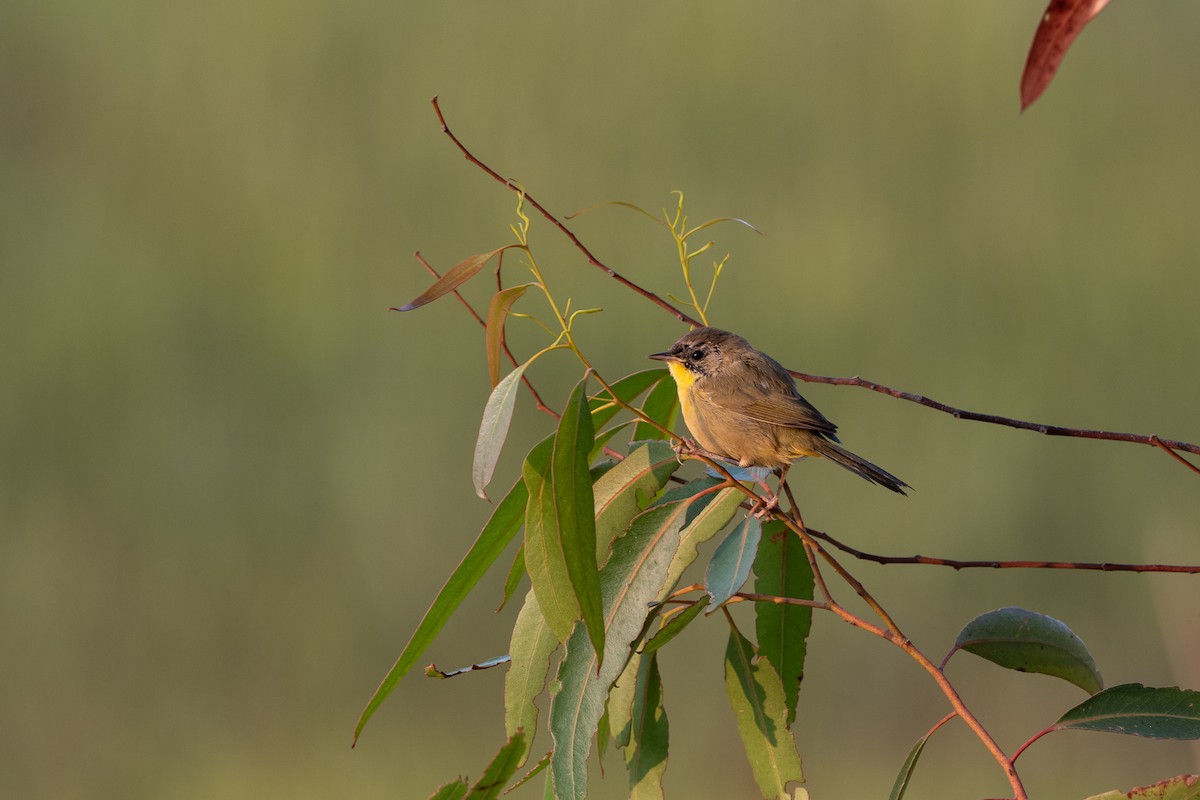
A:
[1168,445]
[651,296]
[524,378]
[1104,566]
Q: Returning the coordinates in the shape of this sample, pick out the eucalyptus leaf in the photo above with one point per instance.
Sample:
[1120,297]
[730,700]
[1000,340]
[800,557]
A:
[493,428]
[620,493]
[782,570]
[455,790]
[531,647]
[646,754]
[673,627]
[1182,787]
[498,310]
[504,764]
[662,406]
[627,390]
[1137,710]
[544,559]
[758,703]
[1027,641]
[495,536]
[456,276]
[730,564]
[574,506]
[637,573]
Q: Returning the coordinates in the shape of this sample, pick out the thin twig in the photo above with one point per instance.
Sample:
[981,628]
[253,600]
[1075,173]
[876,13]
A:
[651,296]
[956,564]
[524,378]
[1050,430]
[1169,445]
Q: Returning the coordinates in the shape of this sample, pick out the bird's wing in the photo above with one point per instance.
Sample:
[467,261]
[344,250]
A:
[774,403]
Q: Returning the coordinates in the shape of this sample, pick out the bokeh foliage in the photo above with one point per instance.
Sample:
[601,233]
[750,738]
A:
[225,472]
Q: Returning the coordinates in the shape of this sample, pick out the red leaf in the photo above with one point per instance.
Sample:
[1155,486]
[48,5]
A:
[1061,23]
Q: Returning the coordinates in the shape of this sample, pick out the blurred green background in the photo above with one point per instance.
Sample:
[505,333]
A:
[230,482]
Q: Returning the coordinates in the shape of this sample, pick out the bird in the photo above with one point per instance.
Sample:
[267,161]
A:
[742,406]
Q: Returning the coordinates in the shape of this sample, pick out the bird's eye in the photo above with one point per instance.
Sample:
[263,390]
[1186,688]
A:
[697,354]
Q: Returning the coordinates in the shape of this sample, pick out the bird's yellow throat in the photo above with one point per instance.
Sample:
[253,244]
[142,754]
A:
[684,377]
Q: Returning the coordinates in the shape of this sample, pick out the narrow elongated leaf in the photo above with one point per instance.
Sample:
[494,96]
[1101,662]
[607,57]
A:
[495,536]
[621,494]
[498,310]
[637,573]
[716,509]
[1136,710]
[1027,641]
[492,782]
[532,645]
[662,405]
[574,507]
[459,274]
[619,708]
[627,390]
[1061,22]
[1183,787]
[493,428]
[730,564]
[646,755]
[455,790]
[673,627]
[783,570]
[516,571]
[542,763]
[757,698]
[910,763]
[544,559]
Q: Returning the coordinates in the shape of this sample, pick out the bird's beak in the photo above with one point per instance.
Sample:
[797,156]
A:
[664,357]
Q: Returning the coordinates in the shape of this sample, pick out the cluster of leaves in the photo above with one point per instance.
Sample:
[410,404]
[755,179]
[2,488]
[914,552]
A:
[610,529]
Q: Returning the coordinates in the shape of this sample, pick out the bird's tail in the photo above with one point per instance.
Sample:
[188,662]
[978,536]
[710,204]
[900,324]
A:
[860,466]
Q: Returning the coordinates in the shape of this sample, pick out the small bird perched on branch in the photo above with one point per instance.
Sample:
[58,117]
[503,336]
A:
[742,405]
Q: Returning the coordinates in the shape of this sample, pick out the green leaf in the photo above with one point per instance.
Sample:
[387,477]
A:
[531,647]
[492,782]
[1183,787]
[637,573]
[498,309]
[715,511]
[661,405]
[542,763]
[783,570]
[493,428]
[730,564]
[495,536]
[455,790]
[627,389]
[758,703]
[910,763]
[646,755]
[544,560]
[673,627]
[516,571]
[1136,710]
[1031,642]
[459,274]
[620,494]
[619,708]
[574,507]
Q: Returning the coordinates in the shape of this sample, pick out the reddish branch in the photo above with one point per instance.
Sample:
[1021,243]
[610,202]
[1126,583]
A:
[651,296]
[1168,445]
[1104,566]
